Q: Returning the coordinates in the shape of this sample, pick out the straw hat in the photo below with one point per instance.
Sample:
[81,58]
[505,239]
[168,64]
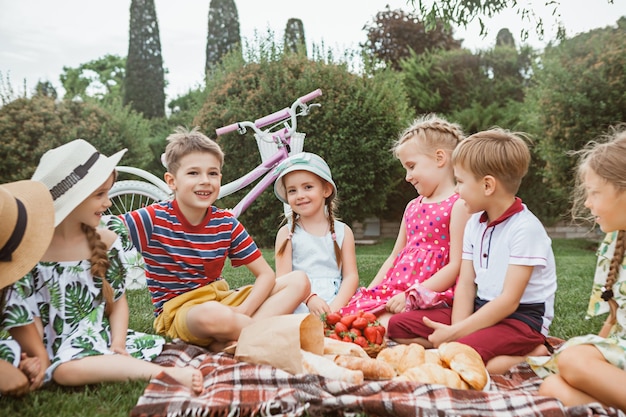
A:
[27,227]
[72,172]
[303,161]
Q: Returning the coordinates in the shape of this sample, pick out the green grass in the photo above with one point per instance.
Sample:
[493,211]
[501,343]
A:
[575,267]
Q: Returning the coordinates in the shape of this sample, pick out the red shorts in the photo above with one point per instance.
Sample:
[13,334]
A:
[508,337]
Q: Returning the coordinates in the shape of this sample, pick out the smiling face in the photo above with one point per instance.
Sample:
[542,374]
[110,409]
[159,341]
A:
[470,189]
[421,170]
[306,192]
[605,202]
[196,183]
[90,211]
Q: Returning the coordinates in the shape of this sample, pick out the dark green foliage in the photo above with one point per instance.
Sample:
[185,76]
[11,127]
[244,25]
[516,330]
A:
[353,130]
[393,34]
[223,35]
[144,87]
[294,36]
[29,127]
[578,91]
[45,88]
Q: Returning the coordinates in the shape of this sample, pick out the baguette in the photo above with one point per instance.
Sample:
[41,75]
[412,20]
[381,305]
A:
[338,347]
[371,368]
[320,365]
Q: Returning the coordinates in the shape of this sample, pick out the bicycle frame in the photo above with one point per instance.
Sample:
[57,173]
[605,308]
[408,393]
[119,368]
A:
[287,118]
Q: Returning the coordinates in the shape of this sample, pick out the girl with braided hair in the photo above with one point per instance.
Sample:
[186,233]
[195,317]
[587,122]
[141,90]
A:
[592,368]
[424,264]
[70,311]
[314,241]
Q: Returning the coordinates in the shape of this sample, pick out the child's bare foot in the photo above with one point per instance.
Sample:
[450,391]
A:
[189,376]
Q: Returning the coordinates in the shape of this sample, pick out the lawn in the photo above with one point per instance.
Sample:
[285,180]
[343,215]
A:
[575,267]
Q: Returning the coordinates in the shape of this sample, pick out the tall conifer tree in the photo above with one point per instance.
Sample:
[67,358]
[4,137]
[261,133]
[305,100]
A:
[223,35]
[294,36]
[144,87]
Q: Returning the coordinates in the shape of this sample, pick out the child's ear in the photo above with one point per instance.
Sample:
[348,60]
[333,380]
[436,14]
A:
[328,189]
[489,184]
[441,157]
[170,180]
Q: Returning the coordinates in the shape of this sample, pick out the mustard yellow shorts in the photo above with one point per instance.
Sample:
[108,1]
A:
[172,321]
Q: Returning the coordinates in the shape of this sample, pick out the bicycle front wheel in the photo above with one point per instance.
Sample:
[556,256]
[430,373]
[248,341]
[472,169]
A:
[130,195]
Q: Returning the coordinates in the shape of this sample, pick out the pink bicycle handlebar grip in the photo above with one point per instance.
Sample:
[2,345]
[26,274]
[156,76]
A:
[310,96]
[227,129]
[272,118]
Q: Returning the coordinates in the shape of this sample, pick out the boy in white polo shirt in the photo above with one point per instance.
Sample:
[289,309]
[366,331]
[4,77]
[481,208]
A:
[504,298]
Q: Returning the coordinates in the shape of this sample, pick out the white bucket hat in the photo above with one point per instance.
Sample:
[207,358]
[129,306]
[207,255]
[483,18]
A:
[26,230]
[303,161]
[72,172]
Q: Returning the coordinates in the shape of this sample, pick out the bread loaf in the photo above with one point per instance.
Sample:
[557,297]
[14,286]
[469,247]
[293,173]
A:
[431,373]
[320,365]
[371,368]
[465,361]
[402,357]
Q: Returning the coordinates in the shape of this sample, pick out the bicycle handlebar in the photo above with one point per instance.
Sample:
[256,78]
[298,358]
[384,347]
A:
[271,118]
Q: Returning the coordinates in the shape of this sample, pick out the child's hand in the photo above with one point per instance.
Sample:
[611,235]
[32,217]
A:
[442,332]
[318,306]
[396,304]
[12,381]
[33,369]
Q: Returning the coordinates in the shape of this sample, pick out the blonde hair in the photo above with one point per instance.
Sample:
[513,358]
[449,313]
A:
[430,132]
[331,207]
[496,152]
[183,142]
[606,159]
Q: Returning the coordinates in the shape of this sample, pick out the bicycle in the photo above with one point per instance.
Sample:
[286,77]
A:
[277,139]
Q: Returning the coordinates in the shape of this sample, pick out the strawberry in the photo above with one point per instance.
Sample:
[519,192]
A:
[361,341]
[333,318]
[340,328]
[348,320]
[370,317]
[360,323]
[371,334]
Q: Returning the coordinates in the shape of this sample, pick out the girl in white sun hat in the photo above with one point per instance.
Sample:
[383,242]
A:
[71,310]
[25,233]
[313,241]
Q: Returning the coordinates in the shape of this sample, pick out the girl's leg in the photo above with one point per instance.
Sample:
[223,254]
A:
[289,291]
[502,363]
[587,377]
[117,368]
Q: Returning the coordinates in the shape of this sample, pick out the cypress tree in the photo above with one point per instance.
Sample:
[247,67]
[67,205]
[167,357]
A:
[294,36]
[144,87]
[223,35]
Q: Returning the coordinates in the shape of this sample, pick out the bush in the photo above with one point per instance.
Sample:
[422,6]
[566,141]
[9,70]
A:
[352,131]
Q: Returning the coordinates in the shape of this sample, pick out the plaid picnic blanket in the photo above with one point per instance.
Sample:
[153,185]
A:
[240,389]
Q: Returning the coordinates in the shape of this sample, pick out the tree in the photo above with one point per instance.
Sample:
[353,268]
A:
[101,78]
[353,129]
[294,36]
[144,86]
[45,88]
[394,33]
[576,94]
[223,35]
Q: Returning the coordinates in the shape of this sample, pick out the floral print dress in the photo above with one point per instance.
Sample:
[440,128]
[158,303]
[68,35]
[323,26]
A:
[613,347]
[69,302]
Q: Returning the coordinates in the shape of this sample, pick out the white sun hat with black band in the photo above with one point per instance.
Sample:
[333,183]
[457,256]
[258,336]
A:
[26,229]
[72,172]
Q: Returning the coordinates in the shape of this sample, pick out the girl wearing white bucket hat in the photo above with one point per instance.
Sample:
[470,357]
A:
[71,310]
[25,233]
[313,241]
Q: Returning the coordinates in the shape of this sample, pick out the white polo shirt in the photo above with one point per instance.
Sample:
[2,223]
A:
[516,238]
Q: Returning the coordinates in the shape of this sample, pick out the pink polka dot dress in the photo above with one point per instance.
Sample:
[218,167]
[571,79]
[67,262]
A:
[427,250]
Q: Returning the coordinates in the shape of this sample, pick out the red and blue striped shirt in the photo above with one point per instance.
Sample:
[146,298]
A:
[181,257]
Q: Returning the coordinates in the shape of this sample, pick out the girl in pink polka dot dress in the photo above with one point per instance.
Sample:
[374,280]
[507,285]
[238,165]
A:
[423,266]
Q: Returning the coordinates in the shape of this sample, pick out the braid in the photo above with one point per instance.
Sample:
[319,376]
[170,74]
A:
[432,131]
[615,265]
[331,221]
[294,218]
[99,264]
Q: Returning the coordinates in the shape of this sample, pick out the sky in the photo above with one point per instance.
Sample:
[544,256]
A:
[39,37]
